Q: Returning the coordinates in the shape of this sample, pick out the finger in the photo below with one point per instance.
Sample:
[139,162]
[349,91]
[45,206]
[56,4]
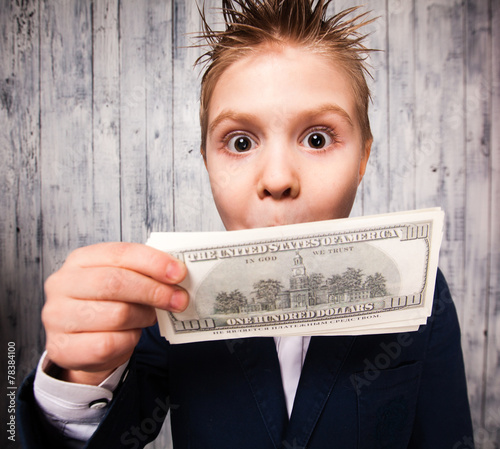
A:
[94,351]
[74,316]
[116,284]
[132,256]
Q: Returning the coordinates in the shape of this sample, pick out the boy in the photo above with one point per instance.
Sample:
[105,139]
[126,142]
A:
[285,139]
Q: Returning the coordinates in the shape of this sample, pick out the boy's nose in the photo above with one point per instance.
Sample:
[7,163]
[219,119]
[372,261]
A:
[279,176]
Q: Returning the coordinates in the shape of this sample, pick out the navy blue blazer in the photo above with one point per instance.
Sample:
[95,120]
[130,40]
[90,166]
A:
[394,391]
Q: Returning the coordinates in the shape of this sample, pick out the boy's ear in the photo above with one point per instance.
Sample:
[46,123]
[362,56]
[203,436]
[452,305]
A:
[364,158]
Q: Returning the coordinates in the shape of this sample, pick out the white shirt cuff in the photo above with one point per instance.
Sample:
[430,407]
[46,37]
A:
[74,409]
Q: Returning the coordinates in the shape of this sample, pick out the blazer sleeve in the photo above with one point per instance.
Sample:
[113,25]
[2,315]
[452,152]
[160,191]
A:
[135,415]
[443,417]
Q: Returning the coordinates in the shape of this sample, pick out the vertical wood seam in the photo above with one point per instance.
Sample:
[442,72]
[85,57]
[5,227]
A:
[92,107]
[465,124]
[414,99]
[388,105]
[146,123]
[172,100]
[120,165]
[40,230]
[489,224]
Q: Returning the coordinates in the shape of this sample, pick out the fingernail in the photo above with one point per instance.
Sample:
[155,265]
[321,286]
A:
[179,300]
[174,271]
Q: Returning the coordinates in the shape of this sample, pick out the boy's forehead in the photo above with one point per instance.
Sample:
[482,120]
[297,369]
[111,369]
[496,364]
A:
[289,80]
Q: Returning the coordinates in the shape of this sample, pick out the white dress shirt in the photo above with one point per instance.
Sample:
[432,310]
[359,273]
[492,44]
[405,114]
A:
[291,354]
[77,409]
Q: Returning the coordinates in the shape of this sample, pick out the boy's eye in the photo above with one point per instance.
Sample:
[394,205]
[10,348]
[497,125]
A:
[240,143]
[317,140]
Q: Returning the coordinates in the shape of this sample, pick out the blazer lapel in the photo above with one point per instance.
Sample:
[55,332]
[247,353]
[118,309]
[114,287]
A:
[259,361]
[322,365]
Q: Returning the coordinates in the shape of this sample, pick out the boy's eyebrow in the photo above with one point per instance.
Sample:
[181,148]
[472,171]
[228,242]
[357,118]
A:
[233,115]
[334,109]
[230,115]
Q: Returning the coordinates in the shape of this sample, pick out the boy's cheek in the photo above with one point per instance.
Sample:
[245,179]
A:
[233,215]
[222,175]
[233,203]
[220,180]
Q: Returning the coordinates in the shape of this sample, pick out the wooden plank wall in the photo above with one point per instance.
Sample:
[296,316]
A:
[99,141]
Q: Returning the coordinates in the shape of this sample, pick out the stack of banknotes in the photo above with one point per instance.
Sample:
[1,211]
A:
[363,275]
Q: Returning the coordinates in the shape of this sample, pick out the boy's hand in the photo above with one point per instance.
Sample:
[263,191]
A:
[99,301]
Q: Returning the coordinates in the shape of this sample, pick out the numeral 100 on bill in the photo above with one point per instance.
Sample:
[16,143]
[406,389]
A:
[412,232]
[193,325]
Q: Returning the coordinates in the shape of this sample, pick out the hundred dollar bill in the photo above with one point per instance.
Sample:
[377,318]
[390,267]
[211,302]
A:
[363,275]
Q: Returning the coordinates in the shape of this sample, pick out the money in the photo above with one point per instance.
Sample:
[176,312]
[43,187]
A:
[363,275]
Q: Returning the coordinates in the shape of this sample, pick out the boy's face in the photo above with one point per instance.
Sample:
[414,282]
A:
[284,144]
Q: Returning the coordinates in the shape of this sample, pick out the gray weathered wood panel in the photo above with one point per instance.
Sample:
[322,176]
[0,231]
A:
[490,419]
[99,140]
[21,254]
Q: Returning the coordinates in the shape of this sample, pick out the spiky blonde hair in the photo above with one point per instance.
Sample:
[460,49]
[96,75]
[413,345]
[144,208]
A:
[251,24]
